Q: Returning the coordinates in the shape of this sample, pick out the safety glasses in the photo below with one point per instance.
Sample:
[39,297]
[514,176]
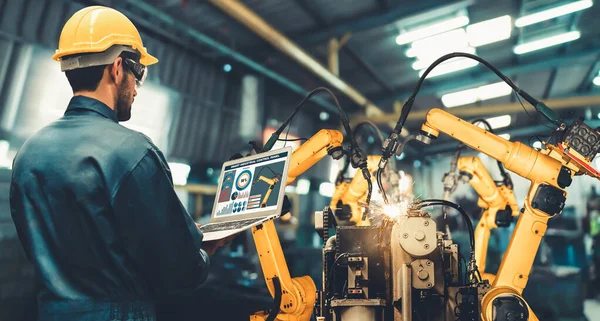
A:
[139,71]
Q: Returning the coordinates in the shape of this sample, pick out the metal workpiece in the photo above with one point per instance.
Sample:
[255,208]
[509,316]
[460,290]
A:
[418,236]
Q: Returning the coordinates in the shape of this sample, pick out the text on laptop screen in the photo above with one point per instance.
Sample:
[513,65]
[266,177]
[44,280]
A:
[252,186]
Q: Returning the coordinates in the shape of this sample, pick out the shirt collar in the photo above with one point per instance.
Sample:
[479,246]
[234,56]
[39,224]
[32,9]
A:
[82,102]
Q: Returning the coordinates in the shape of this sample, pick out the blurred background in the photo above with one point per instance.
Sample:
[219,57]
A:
[221,83]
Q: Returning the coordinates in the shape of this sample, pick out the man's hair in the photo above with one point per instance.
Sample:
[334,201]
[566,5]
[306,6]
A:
[85,79]
[88,79]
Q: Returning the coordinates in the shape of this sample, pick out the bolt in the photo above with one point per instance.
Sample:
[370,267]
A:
[405,235]
[536,231]
[428,263]
[426,223]
[426,246]
[429,285]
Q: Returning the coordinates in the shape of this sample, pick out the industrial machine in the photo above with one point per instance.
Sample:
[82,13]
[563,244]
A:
[496,198]
[405,268]
[549,170]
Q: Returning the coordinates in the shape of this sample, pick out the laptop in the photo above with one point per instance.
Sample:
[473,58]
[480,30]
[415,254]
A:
[250,192]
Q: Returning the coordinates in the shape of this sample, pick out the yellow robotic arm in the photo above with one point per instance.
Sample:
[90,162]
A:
[492,199]
[549,171]
[271,182]
[355,192]
[297,295]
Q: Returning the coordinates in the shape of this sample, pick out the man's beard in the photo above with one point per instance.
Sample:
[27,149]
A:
[123,104]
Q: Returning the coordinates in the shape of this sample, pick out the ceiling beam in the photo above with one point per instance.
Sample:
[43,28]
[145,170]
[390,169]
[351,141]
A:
[485,75]
[347,48]
[162,23]
[487,110]
[371,21]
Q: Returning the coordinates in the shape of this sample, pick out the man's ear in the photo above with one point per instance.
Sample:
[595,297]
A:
[116,69]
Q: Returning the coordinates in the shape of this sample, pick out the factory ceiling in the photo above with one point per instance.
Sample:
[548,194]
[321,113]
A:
[381,60]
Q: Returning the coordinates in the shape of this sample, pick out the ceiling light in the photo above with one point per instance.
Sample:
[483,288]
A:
[326,189]
[227,68]
[426,60]
[553,13]
[537,144]
[546,42]
[473,95]
[505,136]
[454,39]
[500,121]
[452,65]
[324,116]
[597,81]
[432,29]
[489,31]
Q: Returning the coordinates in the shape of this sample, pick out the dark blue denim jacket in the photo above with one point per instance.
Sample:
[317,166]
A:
[96,212]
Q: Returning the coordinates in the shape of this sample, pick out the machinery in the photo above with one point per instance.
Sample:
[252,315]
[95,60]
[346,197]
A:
[497,200]
[391,271]
[294,297]
[348,197]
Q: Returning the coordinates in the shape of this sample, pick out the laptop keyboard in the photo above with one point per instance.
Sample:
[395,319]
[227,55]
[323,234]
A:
[215,227]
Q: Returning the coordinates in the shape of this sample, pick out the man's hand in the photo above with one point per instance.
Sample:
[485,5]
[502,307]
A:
[211,247]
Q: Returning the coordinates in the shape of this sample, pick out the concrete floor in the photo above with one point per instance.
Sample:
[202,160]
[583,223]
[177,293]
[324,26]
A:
[592,310]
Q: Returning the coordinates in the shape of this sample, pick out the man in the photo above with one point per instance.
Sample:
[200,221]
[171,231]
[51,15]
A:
[93,201]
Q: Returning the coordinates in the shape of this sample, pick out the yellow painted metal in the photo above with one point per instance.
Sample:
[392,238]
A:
[540,167]
[298,294]
[492,199]
[312,151]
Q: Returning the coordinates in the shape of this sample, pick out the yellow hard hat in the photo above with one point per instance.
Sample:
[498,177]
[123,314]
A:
[96,29]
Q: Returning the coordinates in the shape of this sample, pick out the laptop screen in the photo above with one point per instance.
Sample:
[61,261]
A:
[252,185]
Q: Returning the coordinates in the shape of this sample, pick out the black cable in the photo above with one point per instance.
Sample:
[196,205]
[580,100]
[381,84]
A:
[434,202]
[368,123]
[390,144]
[357,157]
[380,184]
[335,263]
[526,112]
[292,140]
[277,300]
[369,192]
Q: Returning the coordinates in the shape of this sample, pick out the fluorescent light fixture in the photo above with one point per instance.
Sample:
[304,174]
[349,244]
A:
[180,173]
[432,29]
[553,13]
[489,31]
[326,189]
[290,189]
[424,61]
[598,118]
[500,121]
[537,144]
[302,187]
[470,96]
[452,65]
[597,81]
[546,42]
[505,136]
[448,41]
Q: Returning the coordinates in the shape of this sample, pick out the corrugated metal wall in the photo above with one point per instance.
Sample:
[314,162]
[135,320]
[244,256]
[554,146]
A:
[209,104]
